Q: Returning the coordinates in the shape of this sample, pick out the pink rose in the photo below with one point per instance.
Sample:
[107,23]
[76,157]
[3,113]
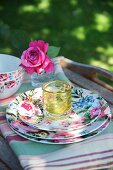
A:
[35,59]
[41,44]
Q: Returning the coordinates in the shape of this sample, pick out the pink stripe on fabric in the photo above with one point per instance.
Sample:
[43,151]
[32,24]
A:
[2,113]
[94,166]
[2,117]
[103,165]
[110,136]
[74,163]
[80,156]
[79,162]
[15,137]
[26,157]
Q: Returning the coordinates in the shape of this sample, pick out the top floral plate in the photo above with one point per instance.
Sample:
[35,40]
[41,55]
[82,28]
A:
[86,107]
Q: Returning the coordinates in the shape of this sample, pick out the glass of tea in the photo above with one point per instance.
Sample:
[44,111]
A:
[56,99]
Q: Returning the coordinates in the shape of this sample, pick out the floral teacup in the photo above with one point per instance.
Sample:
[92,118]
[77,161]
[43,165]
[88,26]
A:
[11,75]
[8,88]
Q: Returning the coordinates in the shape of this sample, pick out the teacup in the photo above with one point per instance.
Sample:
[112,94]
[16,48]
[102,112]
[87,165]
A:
[11,75]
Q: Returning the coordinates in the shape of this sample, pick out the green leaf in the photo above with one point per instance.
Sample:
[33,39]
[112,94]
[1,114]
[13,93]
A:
[53,51]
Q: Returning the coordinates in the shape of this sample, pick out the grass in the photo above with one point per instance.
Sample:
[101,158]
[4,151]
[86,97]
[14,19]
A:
[83,29]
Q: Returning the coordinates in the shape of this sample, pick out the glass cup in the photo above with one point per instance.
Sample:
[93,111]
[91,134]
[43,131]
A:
[56,98]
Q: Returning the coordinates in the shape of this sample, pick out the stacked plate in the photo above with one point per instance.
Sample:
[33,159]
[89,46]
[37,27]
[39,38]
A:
[88,116]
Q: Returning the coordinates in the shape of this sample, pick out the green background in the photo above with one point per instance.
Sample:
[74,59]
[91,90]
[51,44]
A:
[82,28]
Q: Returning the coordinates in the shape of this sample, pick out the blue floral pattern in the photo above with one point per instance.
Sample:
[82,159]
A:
[88,121]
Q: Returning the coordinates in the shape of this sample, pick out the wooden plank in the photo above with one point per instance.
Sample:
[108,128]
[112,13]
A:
[88,84]
[75,67]
[103,84]
[87,70]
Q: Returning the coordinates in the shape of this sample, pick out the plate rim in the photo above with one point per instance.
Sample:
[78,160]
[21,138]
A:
[56,129]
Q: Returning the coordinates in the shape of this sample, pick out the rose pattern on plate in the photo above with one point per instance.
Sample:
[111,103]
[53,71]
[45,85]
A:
[56,137]
[20,126]
[62,141]
[77,117]
[75,120]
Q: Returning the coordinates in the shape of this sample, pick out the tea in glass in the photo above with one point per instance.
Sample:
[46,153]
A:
[56,98]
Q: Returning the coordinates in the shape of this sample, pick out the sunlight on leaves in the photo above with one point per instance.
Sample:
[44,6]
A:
[101,64]
[79,33]
[73,2]
[42,6]
[102,21]
[110,61]
[106,51]
[45,31]
[6,50]
[27,8]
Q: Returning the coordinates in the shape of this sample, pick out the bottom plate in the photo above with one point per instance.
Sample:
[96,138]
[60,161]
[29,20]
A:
[25,129]
[66,141]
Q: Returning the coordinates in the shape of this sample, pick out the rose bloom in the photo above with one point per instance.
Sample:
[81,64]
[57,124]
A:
[35,59]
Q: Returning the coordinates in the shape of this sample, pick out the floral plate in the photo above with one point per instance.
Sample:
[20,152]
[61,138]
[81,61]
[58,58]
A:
[17,125]
[66,141]
[86,107]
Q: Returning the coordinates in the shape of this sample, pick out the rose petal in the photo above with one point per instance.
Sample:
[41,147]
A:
[48,64]
[43,46]
[30,60]
[40,44]
[50,67]
[30,70]
[39,69]
[33,43]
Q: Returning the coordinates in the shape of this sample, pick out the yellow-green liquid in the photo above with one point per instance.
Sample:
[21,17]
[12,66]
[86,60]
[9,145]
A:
[57,103]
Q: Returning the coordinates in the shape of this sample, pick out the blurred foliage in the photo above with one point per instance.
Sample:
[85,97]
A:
[83,29]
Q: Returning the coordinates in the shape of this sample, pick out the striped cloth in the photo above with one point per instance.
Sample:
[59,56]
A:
[96,153]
